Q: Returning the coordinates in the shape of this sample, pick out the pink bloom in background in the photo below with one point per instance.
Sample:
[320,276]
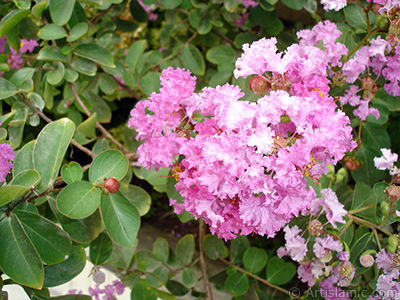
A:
[248,3]
[385,162]
[3,42]
[331,292]
[330,205]
[7,155]
[15,60]
[149,10]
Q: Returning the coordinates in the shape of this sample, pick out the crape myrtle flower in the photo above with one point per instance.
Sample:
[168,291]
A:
[385,162]
[240,165]
[333,4]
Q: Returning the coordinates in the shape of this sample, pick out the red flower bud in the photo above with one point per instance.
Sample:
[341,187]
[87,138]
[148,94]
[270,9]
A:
[259,85]
[111,185]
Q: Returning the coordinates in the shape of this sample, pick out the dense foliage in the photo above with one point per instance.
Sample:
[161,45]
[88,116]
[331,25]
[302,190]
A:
[271,118]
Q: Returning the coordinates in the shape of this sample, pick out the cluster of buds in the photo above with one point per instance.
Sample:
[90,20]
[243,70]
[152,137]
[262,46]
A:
[351,163]
[260,85]
[370,87]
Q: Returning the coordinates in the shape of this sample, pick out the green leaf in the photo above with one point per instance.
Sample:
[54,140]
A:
[140,198]
[375,136]
[71,172]
[36,100]
[52,32]
[280,272]
[88,127]
[120,217]
[138,12]
[367,173]
[254,259]
[189,277]
[295,4]
[22,4]
[213,247]
[110,163]
[71,75]
[21,76]
[364,196]
[65,271]
[238,246]
[23,159]
[356,17]
[158,277]
[365,242]
[7,89]
[18,257]
[185,249]
[135,54]
[84,66]
[61,11]
[12,19]
[266,19]
[150,82]
[38,8]
[82,231]
[171,4]
[52,53]
[193,60]
[49,150]
[161,249]
[221,54]
[107,84]
[78,200]
[100,249]
[238,283]
[142,291]
[55,77]
[95,53]
[200,21]
[19,186]
[176,288]
[99,106]
[52,243]
[77,32]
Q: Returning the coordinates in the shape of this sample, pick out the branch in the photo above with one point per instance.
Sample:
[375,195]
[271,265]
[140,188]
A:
[368,224]
[202,230]
[98,125]
[48,120]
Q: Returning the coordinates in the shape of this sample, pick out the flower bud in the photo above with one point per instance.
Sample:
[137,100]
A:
[367,260]
[327,256]
[392,244]
[340,175]
[384,208]
[331,171]
[99,277]
[393,193]
[376,7]
[315,228]
[346,269]
[111,185]
[259,85]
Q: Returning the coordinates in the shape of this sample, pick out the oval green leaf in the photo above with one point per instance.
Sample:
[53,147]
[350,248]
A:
[52,243]
[12,19]
[78,200]
[280,272]
[193,60]
[61,11]
[214,248]
[121,218]
[254,259]
[140,198]
[110,163]
[238,283]
[52,32]
[71,172]
[185,249]
[18,257]
[95,53]
[49,150]
[100,249]
[7,89]
[77,32]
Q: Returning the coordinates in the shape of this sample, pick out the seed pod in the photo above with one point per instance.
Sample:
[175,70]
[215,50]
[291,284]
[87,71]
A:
[385,208]
[315,227]
[111,185]
[393,193]
[340,175]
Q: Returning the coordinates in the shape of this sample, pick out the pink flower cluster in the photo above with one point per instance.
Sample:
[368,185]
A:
[7,155]
[15,60]
[242,166]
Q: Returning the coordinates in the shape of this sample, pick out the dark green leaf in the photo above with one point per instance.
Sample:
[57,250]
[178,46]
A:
[221,54]
[213,246]
[238,246]
[84,66]
[52,243]
[254,259]
[171,4]
[280,272]
[67,270]
[52,53]
[82,231]
[138,12]
[295,4]
[363,197]
[100,249]
[193,60]
[95,53]
[176,288]
[189,277]
[55,77]
[161,249]
[77,32]
[18,257]
[7,89]
[238,283]
[141,291]
[12,19]
[367,173]
[140,198]
[71,172]
[356,17]
[121,218]
[185,249]
[135,54]
[61,11]
[150,82]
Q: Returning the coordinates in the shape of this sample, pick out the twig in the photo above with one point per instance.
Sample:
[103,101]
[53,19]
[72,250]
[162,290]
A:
[202,230]
[367,223]
[98,125]
[259,279]
[48,120]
